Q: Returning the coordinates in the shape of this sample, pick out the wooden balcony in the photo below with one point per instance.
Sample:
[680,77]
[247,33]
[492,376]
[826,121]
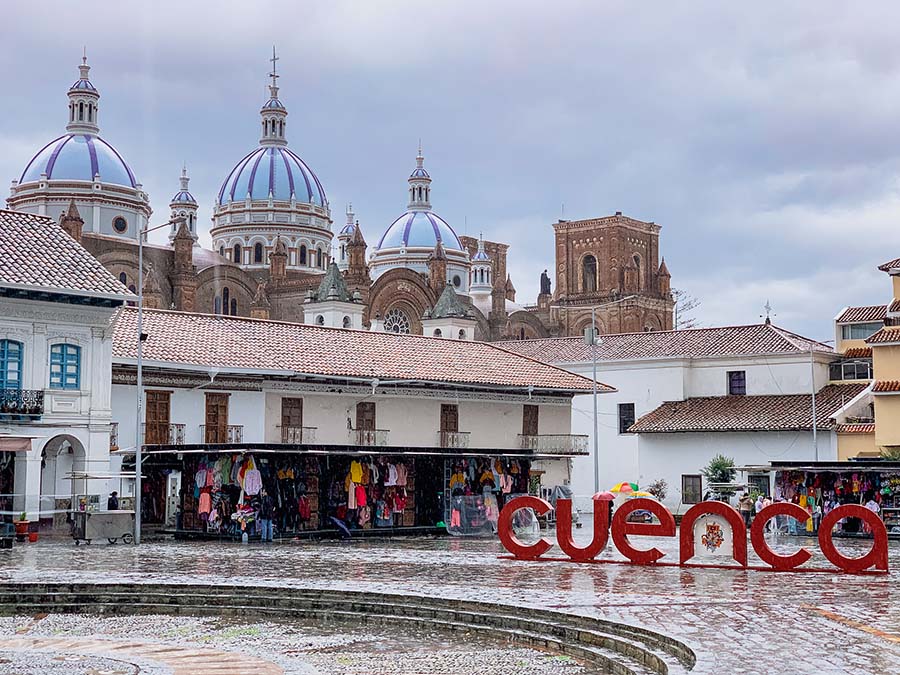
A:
[21,404]
[232,433]
[298,435]
[564,444]
[162,434]
[453,439]
[375,438]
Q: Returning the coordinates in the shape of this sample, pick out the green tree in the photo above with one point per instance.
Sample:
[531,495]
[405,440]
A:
[720,470]
[891,452]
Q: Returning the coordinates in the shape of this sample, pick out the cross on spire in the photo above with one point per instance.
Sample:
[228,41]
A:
[274,74]
[769,315]
[84,55]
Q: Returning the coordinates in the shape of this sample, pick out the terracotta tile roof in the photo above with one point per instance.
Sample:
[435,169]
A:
[886,386]
[225,343]
[755,339]
[890,265]
[36,253]
[859,314]
[885,335]
[855,428]
[858,353]
[894,307]
[748,413]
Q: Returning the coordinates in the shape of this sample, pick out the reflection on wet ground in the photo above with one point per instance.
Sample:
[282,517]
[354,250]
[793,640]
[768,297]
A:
[742,621]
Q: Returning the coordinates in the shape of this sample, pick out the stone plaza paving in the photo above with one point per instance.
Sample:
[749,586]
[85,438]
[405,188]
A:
[736,621]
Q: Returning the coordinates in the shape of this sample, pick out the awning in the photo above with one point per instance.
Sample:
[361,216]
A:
[16,443]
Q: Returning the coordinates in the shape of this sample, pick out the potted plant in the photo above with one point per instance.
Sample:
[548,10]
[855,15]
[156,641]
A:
[22,527]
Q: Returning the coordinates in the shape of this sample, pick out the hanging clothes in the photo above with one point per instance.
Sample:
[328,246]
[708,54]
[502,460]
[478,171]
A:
[356,472]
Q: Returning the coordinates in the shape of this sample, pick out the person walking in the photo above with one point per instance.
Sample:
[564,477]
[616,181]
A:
[265,514]
[745,506]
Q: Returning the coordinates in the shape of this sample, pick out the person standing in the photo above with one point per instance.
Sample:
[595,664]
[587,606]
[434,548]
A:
[265,514]
[112,504]
[745,505]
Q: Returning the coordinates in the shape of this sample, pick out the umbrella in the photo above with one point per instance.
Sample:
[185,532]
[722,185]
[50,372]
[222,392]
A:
[604,496]
[641,493]
[624,487]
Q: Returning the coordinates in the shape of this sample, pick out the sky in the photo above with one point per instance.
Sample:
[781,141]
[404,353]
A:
[762,137]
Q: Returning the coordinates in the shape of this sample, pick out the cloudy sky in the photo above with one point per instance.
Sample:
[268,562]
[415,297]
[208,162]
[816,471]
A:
[763,139]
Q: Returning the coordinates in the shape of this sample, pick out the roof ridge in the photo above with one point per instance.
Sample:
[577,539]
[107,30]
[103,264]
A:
[792,337]
[600,385]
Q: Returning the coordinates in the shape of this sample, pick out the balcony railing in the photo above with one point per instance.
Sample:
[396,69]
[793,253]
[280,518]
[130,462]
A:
[369,437]
[233,433]
[163,434]
[453,439]
[113,436]
[21,403]
[298,435]
[561,443]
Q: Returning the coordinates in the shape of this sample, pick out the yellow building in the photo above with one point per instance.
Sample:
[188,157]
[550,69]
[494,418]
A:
[869,338]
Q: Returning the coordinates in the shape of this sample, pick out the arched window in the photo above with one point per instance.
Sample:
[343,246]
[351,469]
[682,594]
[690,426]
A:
[437,333]
[222,250]
[320,261]
[462,334]
[81,112]
[217,305]
[90,113]
[65,366]
[123,278]
[346,322]
[191,222]
[637,263]
[10,364]
[522,333]
[589,274]
[236,254]
[233,307]
[320,320]
[343,253]
[303,254]
[226,296]
[257,252]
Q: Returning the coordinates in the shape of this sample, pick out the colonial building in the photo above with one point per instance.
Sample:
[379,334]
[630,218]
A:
[56,307]
[306,405]
[685,396]
[273,239]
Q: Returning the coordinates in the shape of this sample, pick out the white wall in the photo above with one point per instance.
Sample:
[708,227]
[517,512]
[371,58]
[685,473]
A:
[649,383]
[669,456]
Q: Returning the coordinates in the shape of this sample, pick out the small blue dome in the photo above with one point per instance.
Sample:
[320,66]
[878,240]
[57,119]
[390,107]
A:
[348,228]
[419,172]
[79,157]
[481,256]
[420,229]
[83,84]
[274,103]
[276,170]
[184,196]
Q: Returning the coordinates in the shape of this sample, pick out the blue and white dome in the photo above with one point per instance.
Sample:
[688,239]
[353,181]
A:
[275,170]
[420,229]
[79,157]
[184,196]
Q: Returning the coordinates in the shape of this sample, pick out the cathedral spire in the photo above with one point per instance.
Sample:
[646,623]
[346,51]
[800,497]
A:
[83,103]
[273,112]
[419,185]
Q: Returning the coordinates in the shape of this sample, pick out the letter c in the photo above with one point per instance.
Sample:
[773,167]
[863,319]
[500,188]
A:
[508,537]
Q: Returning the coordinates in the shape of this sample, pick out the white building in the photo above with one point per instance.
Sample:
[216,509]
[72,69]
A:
[684,396]
[56,306]
[319,398]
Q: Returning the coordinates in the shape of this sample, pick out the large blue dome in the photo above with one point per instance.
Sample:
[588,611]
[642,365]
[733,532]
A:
[420,229]
[276,170]
[79,157]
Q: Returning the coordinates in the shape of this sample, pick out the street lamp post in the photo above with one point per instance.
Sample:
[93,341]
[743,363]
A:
[138,449]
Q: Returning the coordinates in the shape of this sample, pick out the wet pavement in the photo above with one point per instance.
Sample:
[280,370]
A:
[737,621]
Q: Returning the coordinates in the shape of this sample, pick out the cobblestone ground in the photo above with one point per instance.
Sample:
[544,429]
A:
[166,645]
[737,621]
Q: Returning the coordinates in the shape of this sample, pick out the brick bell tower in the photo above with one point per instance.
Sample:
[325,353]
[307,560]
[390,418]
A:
[184,276]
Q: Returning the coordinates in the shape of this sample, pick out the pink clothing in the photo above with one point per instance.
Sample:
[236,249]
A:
[252,482]
[361,498]
[205,503]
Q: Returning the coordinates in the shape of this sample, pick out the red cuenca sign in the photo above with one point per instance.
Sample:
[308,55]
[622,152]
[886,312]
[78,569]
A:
[711,514]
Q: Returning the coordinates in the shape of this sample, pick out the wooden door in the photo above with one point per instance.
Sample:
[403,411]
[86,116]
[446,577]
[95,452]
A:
[449,417]
[530,420]
[216,418]
[291,420]
[157,417]
[365,415]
